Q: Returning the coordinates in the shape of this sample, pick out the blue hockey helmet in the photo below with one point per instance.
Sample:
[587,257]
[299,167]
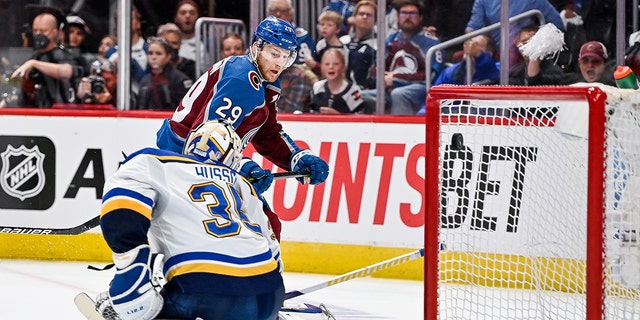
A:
[215,140]
[278,32]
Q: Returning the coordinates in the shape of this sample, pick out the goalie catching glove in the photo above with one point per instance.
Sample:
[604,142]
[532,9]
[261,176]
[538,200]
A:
[305,161]
[261,179]
[131,294]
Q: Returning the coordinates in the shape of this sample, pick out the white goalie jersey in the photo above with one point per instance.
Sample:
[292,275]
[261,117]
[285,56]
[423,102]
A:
[204,218]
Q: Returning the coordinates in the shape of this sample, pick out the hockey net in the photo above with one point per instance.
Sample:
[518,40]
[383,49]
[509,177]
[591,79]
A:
[533,203]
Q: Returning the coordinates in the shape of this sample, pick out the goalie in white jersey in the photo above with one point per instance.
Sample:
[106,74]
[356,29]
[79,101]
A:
[221,258]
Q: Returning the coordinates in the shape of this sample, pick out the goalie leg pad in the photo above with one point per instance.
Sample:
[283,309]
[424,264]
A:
[131,293]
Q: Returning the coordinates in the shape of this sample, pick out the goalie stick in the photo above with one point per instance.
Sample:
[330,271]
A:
[362,272]
[87,306]
[94,222]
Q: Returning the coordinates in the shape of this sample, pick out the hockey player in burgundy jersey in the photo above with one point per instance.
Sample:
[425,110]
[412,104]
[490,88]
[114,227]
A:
[244,90]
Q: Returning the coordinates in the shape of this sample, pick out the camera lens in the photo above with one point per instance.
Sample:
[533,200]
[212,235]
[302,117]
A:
[97,84]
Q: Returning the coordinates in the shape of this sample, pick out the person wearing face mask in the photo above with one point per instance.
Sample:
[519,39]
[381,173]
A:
[244,91]
[48,75]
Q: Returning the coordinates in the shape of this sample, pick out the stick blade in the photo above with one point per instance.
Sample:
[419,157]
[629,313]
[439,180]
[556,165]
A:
[87,306]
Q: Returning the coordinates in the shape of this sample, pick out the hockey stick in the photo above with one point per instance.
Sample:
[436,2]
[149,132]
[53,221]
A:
[285,175]
[94,222]
[363,272]
[290,174]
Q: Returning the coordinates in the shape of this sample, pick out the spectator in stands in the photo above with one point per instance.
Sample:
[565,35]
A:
[391,17]
[165,86]
[232,45]
[187,13]
[107,43]
[100,86]
[487,12]
[405,76]
[296,81]
[362,45]
[632,53]
[335,93]
[450,18]
[574,35]
[78,30]
[295,94]
[345,8]
[48,75]
[481,51]
[171,33]
[282,9]
[139,48]
[593,65]
[329,23]
[600,21]
[535,72]
[101,75]
[595,21]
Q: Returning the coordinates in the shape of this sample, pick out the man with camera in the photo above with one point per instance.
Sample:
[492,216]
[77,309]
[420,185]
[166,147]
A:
[48,75]
[97,87]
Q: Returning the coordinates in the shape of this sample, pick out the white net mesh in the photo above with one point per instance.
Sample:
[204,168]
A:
[513,216]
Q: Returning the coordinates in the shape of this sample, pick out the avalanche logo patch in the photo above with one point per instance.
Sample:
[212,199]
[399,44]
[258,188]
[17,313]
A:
[254,79]
[27,177]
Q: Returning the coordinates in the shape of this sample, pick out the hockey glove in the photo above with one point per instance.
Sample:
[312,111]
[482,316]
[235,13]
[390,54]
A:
[304,160]
[260,179]
[131,291]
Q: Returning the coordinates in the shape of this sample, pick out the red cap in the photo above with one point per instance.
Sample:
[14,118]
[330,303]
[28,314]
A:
[593,49]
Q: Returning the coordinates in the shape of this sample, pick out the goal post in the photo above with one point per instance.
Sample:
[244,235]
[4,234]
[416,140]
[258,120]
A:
[532,203]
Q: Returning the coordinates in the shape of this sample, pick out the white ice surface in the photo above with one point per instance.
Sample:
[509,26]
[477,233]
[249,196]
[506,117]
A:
[31,290]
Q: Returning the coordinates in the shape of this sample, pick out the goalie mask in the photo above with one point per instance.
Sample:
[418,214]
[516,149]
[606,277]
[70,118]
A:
[213,141]
[277,32]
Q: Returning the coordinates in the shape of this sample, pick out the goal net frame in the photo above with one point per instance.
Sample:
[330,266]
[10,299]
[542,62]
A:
[595,273]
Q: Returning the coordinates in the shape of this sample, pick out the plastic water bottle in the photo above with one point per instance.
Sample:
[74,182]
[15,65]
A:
[625,78]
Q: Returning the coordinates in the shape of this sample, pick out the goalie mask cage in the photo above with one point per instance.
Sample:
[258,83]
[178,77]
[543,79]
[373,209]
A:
[532,203]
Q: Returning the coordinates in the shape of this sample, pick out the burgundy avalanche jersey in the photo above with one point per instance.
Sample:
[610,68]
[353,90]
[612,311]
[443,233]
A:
[405,57]
[234,90]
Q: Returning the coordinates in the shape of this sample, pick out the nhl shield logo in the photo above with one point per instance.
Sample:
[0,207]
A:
[22,174]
